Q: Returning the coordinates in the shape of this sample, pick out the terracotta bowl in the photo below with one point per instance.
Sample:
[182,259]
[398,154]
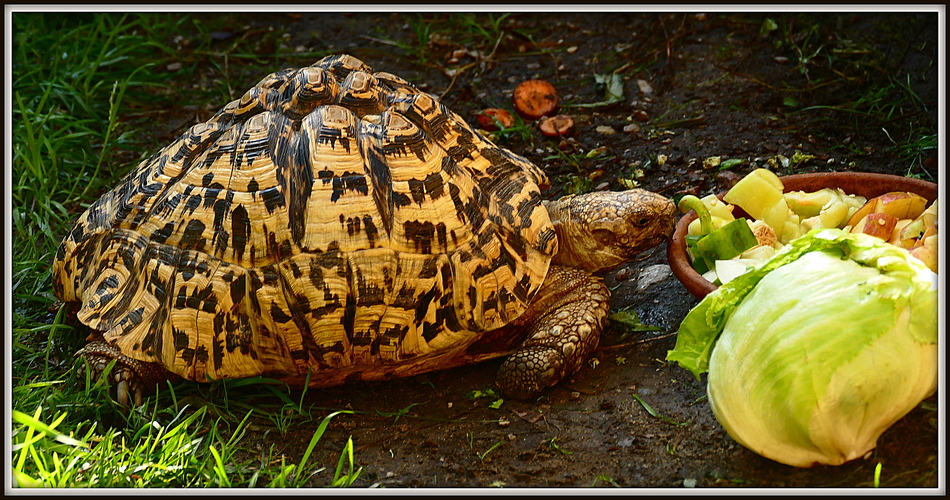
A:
[860,183]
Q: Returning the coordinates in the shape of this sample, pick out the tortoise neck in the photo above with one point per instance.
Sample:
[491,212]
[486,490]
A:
[566,229]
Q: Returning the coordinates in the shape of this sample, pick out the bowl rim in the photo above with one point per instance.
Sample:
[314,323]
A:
[870,182]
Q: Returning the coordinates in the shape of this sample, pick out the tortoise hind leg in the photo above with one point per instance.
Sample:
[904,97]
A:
[129,377]
[564,323]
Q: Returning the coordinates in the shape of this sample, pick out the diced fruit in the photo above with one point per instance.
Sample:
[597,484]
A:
[880,225]
[760,252]
[926,254]
[929,216]
[764,234]
[776,216]
[911,232]
[900,218]
[810,204]
[852,200]
[898,229]
[717,208]
[834,214]
[769,176]
[758,193]
[931,232]
[811,223]
[792,229]
[903,205]
[898,204]
[727,270]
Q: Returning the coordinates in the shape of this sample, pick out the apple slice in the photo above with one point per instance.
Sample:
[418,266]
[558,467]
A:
[899,204]
[929,217]
[929,234]
[895,238]
[880,225]
[912,232]
[926,254]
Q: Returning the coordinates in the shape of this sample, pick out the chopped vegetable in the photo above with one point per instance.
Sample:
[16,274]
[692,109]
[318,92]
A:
[690,202]
[728,241]
[493,119]
[814,354]
[557,126]
[760,195]
[534,99]
[713,244]
[717,208]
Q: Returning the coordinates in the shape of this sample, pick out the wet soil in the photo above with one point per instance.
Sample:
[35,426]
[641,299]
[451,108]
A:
[712,85]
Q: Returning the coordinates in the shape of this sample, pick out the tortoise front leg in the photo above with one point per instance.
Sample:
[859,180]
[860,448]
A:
[564,323]
[129,377]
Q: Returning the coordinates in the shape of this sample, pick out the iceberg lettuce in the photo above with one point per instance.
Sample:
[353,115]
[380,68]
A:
[817,352]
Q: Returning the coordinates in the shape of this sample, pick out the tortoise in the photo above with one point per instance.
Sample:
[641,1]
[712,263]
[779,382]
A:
[337,224]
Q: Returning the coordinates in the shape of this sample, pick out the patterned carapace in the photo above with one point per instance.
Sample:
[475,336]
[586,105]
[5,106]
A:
[331,217]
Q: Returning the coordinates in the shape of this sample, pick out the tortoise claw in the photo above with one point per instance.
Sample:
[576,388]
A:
[122,393]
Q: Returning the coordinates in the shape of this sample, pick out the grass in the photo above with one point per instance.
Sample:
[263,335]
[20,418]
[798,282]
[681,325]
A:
[86,92]
[870,91]
[478,31]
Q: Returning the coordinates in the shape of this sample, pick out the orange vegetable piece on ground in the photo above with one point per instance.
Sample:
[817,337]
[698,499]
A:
[534,98]
[557,126]
[489,119]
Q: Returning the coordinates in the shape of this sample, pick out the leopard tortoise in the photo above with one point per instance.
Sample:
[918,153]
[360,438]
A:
[337,224]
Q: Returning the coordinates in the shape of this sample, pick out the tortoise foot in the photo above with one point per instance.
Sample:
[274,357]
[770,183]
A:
[130,378]
[565,323]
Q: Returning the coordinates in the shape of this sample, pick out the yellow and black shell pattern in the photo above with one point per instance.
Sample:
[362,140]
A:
[332,217]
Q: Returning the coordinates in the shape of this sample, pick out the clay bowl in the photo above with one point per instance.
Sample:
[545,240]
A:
[864,184]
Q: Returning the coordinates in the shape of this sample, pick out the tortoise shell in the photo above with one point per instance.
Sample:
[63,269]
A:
[332,217]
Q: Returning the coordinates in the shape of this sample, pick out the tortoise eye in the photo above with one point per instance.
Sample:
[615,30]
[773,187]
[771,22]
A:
[641,222]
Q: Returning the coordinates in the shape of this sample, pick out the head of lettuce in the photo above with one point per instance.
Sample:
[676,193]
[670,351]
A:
[816,353]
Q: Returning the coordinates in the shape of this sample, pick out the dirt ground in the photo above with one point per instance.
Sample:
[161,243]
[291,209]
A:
[713,84]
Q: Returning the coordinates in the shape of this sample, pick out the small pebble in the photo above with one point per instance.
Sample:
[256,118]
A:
[652,275]
[644,87]
[605,129]
[632,128]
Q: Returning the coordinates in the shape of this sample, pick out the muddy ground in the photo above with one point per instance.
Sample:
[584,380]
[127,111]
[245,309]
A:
[715,84]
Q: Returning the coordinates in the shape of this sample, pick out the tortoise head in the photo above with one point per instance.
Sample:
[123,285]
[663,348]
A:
[603,230]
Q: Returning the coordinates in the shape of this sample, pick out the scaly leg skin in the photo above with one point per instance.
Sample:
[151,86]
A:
[564,323]
[129,376]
